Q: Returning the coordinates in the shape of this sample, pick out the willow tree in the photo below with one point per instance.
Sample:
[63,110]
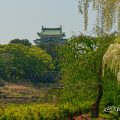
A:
[107,17]
[111,59]
[108,13]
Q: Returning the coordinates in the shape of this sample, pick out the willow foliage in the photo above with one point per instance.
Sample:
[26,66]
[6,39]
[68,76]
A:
[108,13]
[111,59]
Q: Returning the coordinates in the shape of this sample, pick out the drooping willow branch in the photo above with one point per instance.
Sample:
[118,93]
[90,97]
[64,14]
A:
[108,13]
[111,59]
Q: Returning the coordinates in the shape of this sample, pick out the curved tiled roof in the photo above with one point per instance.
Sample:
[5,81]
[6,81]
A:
[51,31]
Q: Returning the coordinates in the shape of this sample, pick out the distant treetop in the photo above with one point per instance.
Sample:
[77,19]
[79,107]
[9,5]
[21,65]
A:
[22,41]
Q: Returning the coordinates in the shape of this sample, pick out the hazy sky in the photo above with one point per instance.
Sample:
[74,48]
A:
[24,18]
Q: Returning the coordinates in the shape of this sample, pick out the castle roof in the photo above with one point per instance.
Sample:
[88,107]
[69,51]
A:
[51,31]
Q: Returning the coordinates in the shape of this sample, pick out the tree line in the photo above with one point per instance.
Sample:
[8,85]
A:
[21,60]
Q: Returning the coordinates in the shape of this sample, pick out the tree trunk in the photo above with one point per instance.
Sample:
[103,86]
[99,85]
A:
[95,106]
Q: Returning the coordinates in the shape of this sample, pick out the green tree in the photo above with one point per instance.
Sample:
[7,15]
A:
[111,59]
[26,62]
[6,66]
[81,63]
[74,63]
[51,48]
[108,16]
[22,41]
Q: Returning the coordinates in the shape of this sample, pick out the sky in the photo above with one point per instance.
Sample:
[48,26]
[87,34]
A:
[24,18]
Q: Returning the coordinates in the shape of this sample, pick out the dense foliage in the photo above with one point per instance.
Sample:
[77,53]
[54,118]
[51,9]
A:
[21,41]
[111,58]
[46,112]
[51,49]
[21,62]
[89,66]
[81,62]
[75,70]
